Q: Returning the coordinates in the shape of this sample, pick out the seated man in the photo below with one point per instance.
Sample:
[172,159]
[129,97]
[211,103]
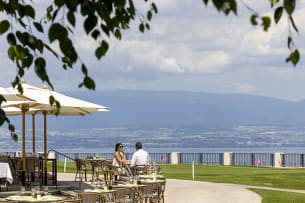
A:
[140,157]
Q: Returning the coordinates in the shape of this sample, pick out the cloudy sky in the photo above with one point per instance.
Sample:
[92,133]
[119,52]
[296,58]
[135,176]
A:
[189,48]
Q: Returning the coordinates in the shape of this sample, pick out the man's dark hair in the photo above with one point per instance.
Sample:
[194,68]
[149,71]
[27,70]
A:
[138,145]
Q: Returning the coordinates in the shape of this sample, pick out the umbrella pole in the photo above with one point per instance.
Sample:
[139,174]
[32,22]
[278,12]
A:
[23,141]
[24,108]
[45,148]
[33,134]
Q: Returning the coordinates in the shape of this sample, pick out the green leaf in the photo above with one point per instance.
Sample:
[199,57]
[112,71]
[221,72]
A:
[27,61]
[278,14]
[40,69]
[21,72]
[218,4]
[101,50]
[253,19]
[11,39]
[38,27]
[54,15]
[141,27]
[3,117]
[72,4]
[22,23]
[147,26]
[153,5]
[90,23]
[105,29]
[205,2]
[51,100]
[11,52]
[21,11]
[66,46]
[59,3]
[39,45]
[20,52]
[29,11]
[11,127]
[15,137]
[289,6]
[67,61]
[95,34]
[233,7]
[84,69]
[266,23]
[289,42]
[2,98]
[57,31]
[51,50]
[294,57]
[149,15]
[89,83]
[71,18]
[4,26]
[273,2]
[117,34]
[293,24]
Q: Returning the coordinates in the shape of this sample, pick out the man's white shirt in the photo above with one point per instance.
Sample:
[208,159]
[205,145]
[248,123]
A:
[140,157]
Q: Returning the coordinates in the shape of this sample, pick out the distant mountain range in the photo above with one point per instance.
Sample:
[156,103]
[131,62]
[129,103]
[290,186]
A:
[182,109]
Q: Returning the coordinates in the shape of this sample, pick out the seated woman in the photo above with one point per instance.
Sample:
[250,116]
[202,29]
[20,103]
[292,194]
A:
[119,159]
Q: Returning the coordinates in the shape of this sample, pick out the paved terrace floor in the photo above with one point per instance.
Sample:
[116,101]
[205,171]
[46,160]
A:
[184,191]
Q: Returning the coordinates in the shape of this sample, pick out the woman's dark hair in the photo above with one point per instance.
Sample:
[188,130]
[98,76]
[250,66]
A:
[117,146]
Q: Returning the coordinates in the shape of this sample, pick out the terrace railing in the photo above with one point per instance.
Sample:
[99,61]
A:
[227,158]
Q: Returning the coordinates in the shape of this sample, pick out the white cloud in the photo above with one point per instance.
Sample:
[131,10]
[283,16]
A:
[189,47]
[243,88]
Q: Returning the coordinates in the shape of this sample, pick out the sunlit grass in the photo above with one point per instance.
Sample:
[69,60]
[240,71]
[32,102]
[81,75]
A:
[280,197]
[267,177]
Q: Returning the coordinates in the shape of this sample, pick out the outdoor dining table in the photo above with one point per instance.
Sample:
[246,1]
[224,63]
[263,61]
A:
[5,172]
[107,193]
[29,198]
[151,176]
[158,184]
[135,187]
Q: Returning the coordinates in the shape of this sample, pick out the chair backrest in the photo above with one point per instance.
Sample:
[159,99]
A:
[97,165]
[4,158]
[140,169]
[17,163]
[32,164]
[124,195]
[89,197]
[82,164]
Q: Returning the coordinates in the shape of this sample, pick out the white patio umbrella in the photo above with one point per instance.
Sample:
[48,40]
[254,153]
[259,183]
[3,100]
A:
[13,96]
[69,106]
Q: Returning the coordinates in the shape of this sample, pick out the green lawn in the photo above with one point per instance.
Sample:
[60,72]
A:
[266,177]
[280,197]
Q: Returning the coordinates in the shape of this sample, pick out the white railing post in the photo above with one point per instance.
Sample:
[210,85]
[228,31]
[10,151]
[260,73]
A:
[175,158]
[65,165]
[193,170]
[278,159]
[227,158]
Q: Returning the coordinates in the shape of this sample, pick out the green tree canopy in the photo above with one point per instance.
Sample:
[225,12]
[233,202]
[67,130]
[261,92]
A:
[29,39]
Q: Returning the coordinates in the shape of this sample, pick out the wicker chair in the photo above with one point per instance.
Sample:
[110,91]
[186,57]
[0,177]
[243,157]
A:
[97,169]
[140,170]
[150,193]
[89,197]
[82,166]
[124,195]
